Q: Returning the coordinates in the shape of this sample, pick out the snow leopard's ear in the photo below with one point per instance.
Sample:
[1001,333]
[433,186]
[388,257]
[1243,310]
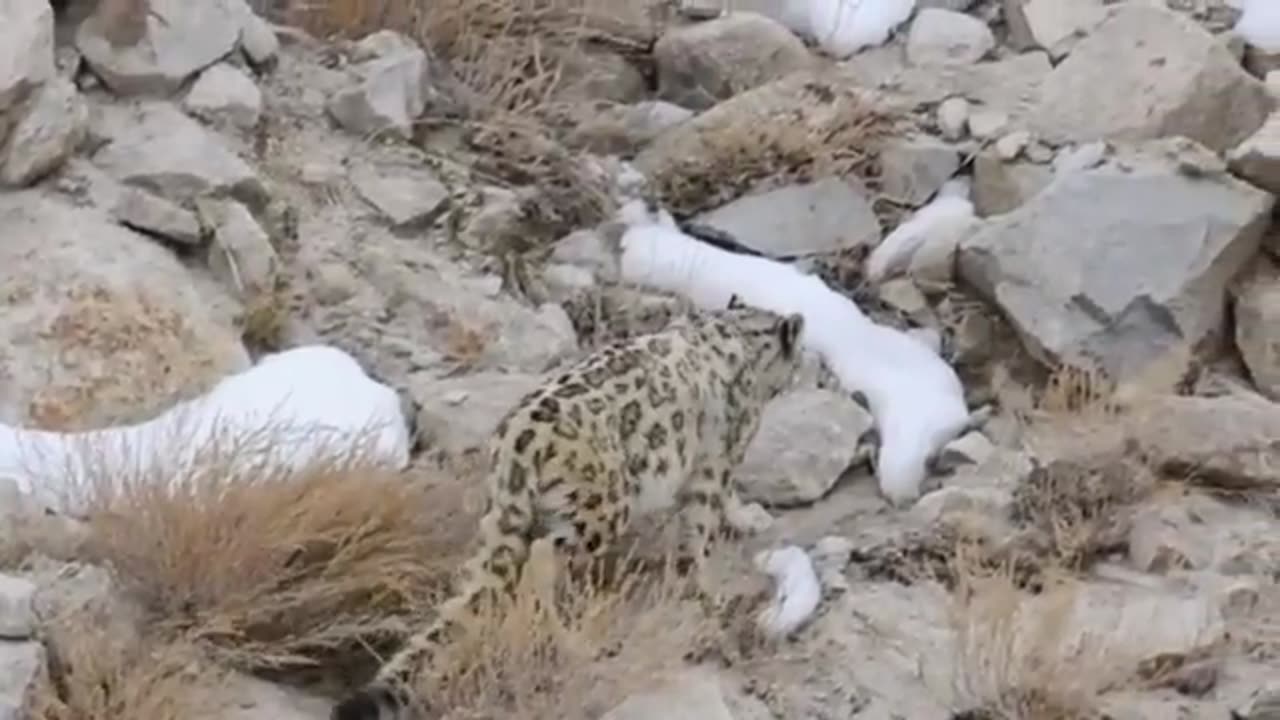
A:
[735,303]
[789,329]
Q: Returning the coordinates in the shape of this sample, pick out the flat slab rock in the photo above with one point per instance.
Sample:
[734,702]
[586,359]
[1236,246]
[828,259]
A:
[1148,72]
[1122,262]
[154,145]
[828,214]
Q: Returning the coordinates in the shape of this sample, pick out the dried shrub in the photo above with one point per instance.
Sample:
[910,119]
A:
[563,191]
[98,668]
[1075,513]
[1065,516]
[823,130]
[274,569]
[567,648]
[1078,389]
[1019,657]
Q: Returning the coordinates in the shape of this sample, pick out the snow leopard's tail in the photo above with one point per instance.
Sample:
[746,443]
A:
[491,573]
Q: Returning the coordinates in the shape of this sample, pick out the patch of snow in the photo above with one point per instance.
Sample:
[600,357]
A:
[797,591]
[943,219]
[843,27]
[913,394]
[292,408]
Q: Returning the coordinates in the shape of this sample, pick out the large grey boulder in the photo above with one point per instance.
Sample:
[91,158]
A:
[1121,262]
[804,444]
[26,50]
[701,64]
[181,39]
[97,323]
[155,146]
[1148,72]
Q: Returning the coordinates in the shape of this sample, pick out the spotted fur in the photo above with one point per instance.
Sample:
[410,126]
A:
[655,422]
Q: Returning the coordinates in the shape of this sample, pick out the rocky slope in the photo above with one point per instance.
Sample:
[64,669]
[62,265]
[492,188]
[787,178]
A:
[1106,546]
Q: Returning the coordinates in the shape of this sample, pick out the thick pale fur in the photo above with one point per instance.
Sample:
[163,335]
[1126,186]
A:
[1259,24]
[843,27]
[944,220]
[653,423]
[913,394]
[290,409]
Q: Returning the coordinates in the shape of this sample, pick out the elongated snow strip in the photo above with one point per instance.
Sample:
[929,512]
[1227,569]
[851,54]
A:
[307,404]
[913,394]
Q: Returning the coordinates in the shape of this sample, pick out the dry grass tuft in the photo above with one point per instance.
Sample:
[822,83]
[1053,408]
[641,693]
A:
[313,575]
[276,570]
[1018,656]
[1065,517]
[505,65]
[99,669]
[1075,513]
[1078,389]
[566,648]
[563,191]
[785,146]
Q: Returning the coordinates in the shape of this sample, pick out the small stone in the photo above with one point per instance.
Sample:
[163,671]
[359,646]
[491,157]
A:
[380,44]
[404,194]
[224,94]
[386,94]
[687,696]
[241,254]
[1000,186]
[912,169]
[948,503]
[17,618]
[1257,159]
[50,132]
[953,117]
[970,449]
[801,450]
[259,42]
[625,129]
[590,250]
[1039,153]
[1083,157]
[901,293]
[986,124]
[1011,145]
[141,210]
[940,37]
